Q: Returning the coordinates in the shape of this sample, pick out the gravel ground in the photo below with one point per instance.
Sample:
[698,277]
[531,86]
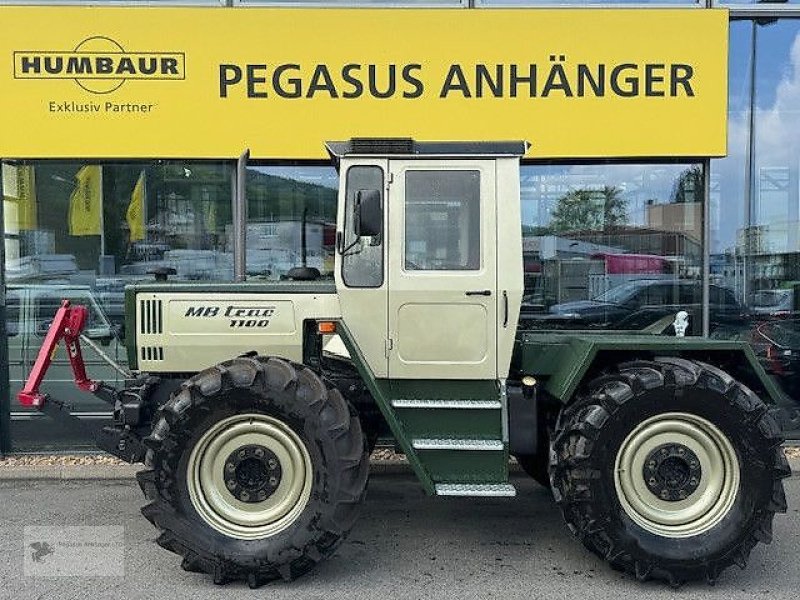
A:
[61,460]
[405,546]
[33,460]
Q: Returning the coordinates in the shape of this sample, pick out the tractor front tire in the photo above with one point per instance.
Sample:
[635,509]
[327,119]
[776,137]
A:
[669,469]
[257,471]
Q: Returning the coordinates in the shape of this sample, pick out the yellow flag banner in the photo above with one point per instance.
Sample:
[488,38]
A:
[135,213]
[211,218]
[86,202]
[26,190]
[19,185]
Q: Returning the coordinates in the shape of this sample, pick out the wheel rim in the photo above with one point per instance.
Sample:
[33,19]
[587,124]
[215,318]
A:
[676,475]
[249,476]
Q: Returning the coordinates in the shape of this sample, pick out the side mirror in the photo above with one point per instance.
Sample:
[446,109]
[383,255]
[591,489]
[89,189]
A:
[369,213]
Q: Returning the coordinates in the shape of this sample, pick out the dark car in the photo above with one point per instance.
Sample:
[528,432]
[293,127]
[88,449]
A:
[641,303]
[777,345]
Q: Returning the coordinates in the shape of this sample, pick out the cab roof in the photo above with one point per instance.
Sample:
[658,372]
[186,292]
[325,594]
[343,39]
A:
[411,148]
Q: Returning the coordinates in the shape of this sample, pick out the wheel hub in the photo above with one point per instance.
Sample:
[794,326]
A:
[249,476]
[252,473]
[672,472]
[676,474]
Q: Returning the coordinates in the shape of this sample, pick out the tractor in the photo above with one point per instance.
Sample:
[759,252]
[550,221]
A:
[254,405]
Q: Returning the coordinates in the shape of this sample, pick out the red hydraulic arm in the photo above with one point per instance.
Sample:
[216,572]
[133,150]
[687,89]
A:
[67,325]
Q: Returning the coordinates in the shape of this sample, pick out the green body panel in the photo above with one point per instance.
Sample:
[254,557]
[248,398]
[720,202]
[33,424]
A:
[384,404]
[465,466]
[413,423]
[562,360]
[475,424]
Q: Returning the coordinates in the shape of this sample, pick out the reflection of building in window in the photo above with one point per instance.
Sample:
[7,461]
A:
[686,217]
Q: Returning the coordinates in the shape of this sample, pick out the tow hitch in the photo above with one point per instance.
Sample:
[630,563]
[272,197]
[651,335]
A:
[118,439]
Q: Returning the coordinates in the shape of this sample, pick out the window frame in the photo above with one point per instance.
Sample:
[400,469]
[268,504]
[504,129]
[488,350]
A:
[347,225]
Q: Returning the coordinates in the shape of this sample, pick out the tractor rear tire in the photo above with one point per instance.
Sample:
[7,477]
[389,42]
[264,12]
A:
[669,469]
[257,471]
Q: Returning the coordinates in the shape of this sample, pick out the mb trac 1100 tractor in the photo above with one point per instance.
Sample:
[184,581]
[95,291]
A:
[254,406]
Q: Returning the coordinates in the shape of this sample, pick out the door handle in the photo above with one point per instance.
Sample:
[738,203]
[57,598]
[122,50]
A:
[479,293]
[505,308]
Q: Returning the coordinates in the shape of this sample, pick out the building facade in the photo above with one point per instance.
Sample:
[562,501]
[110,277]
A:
[608,244]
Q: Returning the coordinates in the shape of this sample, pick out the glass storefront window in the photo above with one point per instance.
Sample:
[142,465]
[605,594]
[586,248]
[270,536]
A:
[347,3]
[766,4]
[83,231]
[755,198]
[523,3]
[614,247]
[287,206]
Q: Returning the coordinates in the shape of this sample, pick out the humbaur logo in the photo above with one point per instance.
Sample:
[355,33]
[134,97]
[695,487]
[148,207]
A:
[99,65]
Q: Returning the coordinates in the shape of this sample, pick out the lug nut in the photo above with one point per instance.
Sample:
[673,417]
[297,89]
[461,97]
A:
[259,452]
[244,497]
[262,494]
[693,481]
[242,453]
[664,494]
[652,481]
[272,463]
[229,467]
[681,451]
[273,481]
[231,484]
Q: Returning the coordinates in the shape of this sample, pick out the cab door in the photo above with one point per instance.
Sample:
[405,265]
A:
[442,270]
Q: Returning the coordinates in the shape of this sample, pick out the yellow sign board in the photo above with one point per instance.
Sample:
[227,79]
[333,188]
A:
[122,82]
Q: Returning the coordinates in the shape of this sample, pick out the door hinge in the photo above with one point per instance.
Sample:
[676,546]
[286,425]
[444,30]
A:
[388,345]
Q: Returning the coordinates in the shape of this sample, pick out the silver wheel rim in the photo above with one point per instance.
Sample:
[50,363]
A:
[215,503]
[715,492]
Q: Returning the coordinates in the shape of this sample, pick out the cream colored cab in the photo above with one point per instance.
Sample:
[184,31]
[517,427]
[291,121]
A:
[425,297]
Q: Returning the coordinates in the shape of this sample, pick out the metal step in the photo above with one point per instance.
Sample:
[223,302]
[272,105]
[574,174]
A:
[475,489]
[456,444]
[458,404]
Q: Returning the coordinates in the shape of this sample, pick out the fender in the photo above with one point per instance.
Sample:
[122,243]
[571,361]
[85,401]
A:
[564,360]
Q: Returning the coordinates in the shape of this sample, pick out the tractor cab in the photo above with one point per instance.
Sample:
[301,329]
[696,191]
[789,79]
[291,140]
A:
[422,231]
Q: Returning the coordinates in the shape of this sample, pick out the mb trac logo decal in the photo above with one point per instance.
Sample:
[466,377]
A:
[99,65]
[237,316]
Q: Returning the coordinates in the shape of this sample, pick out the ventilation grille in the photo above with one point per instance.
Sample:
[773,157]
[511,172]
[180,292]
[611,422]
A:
[151,316]
[152,353]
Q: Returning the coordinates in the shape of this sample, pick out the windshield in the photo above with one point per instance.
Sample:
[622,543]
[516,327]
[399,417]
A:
[770,298]
[621,293]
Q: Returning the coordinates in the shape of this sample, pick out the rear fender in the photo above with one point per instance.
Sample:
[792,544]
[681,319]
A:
[565,362]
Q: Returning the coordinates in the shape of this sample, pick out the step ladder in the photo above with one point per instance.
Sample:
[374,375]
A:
[459,442]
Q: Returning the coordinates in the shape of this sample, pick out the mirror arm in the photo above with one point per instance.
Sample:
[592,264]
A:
[350,247]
